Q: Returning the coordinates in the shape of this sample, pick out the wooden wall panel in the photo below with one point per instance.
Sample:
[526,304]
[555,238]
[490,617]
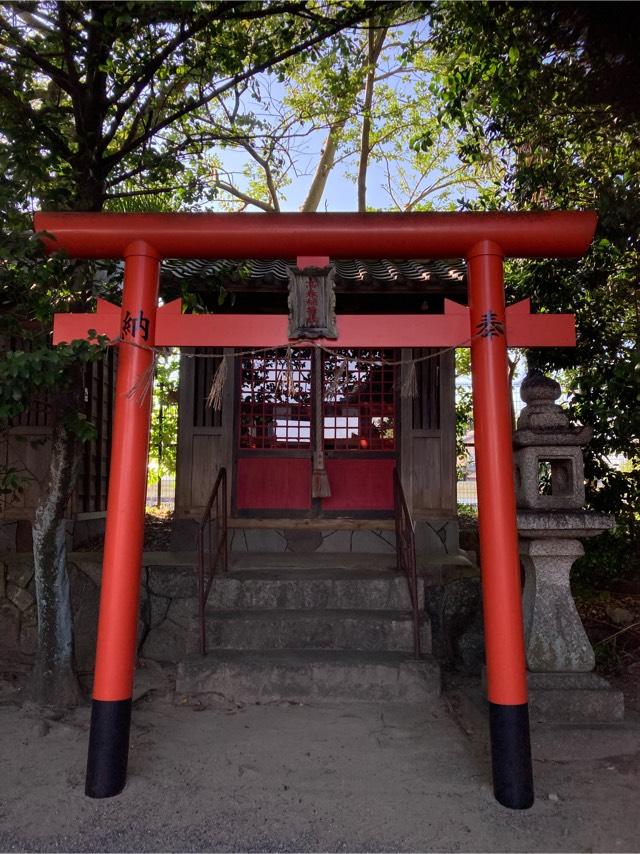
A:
[427,473]
[91,494]
[428,436]
[207,457]
[25,445]
[205,436]
[26,449]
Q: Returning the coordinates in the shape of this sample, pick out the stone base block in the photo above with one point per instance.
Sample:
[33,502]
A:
[310,676]
[573,698]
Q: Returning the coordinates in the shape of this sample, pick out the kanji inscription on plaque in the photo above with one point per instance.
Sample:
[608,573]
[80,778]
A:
[312,303]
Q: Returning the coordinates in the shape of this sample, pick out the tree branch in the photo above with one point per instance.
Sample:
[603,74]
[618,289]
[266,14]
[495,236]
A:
[153,191]
[36,58]
[376,40]
[325,165]
[23,108]
[196,103]
[244,197]
[63,25]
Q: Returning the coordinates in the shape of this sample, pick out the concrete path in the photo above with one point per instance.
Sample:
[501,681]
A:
[215,777]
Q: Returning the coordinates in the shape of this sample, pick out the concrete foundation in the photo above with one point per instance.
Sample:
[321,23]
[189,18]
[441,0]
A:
[573,698]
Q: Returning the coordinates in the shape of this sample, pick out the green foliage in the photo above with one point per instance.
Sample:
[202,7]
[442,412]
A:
[164,419]
[467,511]
[549,86]
[608,558]
[112,106]
[464,410]
[11,484]
[93,97]
[464,422]
[356,108]
[23,373]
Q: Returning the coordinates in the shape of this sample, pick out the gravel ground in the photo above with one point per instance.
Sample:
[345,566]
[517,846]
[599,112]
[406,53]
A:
[209,776]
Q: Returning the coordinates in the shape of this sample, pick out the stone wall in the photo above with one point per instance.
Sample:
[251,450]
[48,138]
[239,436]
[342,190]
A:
[168,606]
[168,610]
[17,614]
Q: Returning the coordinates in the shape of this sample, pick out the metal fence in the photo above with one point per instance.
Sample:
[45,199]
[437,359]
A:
[162,494]
[466,487]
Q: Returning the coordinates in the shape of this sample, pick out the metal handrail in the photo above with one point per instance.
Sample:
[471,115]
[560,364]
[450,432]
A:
[213,521]
[406,555]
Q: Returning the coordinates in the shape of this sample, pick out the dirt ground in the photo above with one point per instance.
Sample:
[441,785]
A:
[210,776]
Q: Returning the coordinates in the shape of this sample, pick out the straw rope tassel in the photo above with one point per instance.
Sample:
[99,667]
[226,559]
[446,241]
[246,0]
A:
[410,384]
[290,385]
[320,484]
[214,400]
[144,384]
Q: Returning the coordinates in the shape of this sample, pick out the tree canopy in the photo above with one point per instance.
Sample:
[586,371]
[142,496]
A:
[99,103]
[552,87]
[114,106]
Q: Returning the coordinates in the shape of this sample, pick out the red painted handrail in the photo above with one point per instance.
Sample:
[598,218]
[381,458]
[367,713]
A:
[406,555]
[218,547]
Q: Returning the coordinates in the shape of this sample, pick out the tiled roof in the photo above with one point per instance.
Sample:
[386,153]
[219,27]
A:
[254,273]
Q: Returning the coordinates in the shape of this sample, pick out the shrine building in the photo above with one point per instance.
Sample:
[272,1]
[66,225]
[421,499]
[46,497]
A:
[310,436]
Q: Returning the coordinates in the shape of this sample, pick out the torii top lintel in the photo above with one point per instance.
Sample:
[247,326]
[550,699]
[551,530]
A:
[545,234]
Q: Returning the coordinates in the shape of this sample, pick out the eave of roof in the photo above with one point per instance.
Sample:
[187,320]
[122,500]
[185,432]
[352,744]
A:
[350,275]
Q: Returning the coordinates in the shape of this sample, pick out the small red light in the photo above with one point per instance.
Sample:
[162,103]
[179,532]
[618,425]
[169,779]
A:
[364,443]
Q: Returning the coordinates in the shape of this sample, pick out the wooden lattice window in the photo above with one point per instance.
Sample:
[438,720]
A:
[276,400]
[359,400]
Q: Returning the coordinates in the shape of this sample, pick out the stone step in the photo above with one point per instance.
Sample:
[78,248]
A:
[310,676]
[176,575]
[327,588]
[314,562]
[313,630]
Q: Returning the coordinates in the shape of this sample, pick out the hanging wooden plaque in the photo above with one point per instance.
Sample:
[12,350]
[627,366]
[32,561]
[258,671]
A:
[312,303]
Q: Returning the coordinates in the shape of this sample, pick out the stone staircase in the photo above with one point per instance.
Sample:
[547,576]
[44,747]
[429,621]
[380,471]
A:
[324,627]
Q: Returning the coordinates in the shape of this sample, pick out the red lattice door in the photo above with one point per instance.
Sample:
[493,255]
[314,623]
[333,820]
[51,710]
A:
[294,403]
[359,429]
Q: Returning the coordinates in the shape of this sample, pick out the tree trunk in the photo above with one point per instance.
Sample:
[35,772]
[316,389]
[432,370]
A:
[376,41]
[325,165]
[54,682]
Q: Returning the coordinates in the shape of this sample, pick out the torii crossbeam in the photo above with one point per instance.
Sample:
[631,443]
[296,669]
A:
[484,239]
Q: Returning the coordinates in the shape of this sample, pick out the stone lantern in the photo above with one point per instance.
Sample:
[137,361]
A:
[551,522]
[548,457]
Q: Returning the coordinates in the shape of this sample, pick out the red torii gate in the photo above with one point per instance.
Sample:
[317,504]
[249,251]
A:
[484,239]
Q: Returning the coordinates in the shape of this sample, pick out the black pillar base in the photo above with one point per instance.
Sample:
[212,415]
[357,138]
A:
[511,755]
[108,748]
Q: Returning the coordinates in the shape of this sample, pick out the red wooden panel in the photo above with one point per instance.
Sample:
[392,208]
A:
[360,484]
[174,329]
[524,329]
[277,483]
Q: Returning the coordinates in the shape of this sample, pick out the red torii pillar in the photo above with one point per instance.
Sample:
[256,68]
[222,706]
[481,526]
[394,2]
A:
[484,239]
